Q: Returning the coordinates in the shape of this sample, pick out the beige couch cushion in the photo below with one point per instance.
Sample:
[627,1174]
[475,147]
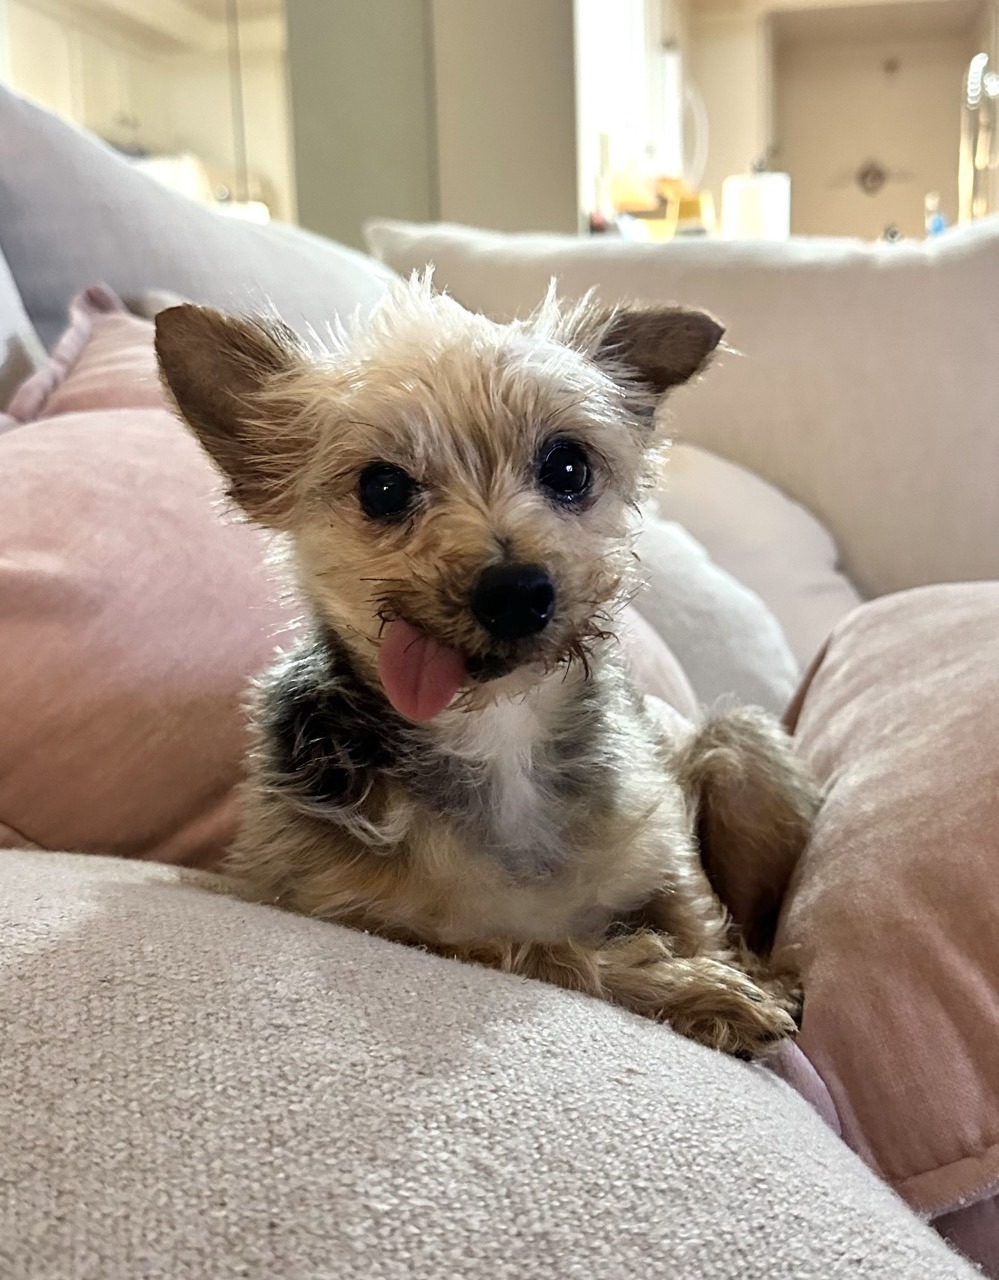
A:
[865,381]
[192,1087]
[770,544]
[728,642]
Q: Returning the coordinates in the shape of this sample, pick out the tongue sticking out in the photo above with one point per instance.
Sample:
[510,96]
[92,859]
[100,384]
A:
[420,676]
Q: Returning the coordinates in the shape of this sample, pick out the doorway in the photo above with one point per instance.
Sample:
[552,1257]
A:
[868,112]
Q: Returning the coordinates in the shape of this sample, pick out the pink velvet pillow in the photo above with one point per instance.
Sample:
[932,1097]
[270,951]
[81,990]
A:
[894,914]
[134,613]
[105,359]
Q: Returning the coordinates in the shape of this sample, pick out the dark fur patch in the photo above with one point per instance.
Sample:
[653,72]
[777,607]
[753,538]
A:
[326,729]
[328,733]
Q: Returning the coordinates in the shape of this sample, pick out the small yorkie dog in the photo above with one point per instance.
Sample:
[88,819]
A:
[454,756]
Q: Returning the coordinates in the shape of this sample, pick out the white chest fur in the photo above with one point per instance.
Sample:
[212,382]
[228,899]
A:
[499,747]
[519,791]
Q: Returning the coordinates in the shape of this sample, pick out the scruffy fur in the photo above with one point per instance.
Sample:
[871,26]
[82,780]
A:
[544,823]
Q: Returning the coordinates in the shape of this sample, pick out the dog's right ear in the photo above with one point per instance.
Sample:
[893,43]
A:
[217,369]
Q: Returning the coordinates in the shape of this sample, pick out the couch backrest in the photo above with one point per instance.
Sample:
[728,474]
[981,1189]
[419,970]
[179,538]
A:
[861,379]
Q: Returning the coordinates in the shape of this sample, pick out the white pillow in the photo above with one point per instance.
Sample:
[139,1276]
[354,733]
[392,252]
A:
[868,384]
[727,641]
[764,540]
[21,352]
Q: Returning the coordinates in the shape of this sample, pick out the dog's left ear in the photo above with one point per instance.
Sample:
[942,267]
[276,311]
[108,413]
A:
[665,346]
[656,347]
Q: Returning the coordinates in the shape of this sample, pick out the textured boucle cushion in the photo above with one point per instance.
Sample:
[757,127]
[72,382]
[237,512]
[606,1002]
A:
[72,211]
[135,614]
[864,380]
[193,1087]
[893,915]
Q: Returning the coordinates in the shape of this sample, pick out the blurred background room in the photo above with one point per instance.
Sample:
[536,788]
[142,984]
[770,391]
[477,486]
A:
[207,1087]
[645,118]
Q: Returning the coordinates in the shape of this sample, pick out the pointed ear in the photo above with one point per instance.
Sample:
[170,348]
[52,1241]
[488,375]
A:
[217,368]
[664,346]
[648,350]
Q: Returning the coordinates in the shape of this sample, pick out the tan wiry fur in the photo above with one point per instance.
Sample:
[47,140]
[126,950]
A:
[542,824]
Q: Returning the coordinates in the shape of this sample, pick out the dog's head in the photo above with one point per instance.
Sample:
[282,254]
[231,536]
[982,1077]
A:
[458,492]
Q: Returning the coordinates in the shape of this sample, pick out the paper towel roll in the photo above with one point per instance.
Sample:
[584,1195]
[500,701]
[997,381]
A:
[756,206]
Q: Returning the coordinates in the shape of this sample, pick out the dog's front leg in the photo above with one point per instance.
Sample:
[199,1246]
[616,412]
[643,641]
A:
[702,998]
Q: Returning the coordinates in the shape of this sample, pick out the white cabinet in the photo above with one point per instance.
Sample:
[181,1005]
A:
[102,73]
[40,58]
[93,78]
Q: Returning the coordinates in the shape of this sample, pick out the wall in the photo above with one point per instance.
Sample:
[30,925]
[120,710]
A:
[419,109]
[838,108]
[361,96]
[728,62]
[267,111]
[729,58]
[198,107]
[464,110]
[504,90]
[198,117]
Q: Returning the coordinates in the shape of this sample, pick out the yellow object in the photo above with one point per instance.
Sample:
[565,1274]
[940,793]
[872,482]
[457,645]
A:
[665,206]
[631,193]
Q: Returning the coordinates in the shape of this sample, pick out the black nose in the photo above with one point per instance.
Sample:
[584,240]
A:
[513,601]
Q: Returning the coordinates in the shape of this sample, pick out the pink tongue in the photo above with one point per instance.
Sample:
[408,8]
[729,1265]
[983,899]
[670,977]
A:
[420,675]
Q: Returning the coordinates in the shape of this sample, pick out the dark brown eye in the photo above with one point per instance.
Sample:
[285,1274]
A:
[564,470]
[385,491]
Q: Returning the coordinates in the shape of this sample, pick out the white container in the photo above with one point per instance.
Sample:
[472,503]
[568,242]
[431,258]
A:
[756,206]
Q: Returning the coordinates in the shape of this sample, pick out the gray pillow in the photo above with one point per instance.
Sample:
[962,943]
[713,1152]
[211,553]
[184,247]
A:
[20,350]
[73,212]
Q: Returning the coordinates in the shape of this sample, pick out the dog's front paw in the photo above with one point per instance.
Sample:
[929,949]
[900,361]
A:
[787,993]
[738,1018]
[711,1001]
[782,983]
